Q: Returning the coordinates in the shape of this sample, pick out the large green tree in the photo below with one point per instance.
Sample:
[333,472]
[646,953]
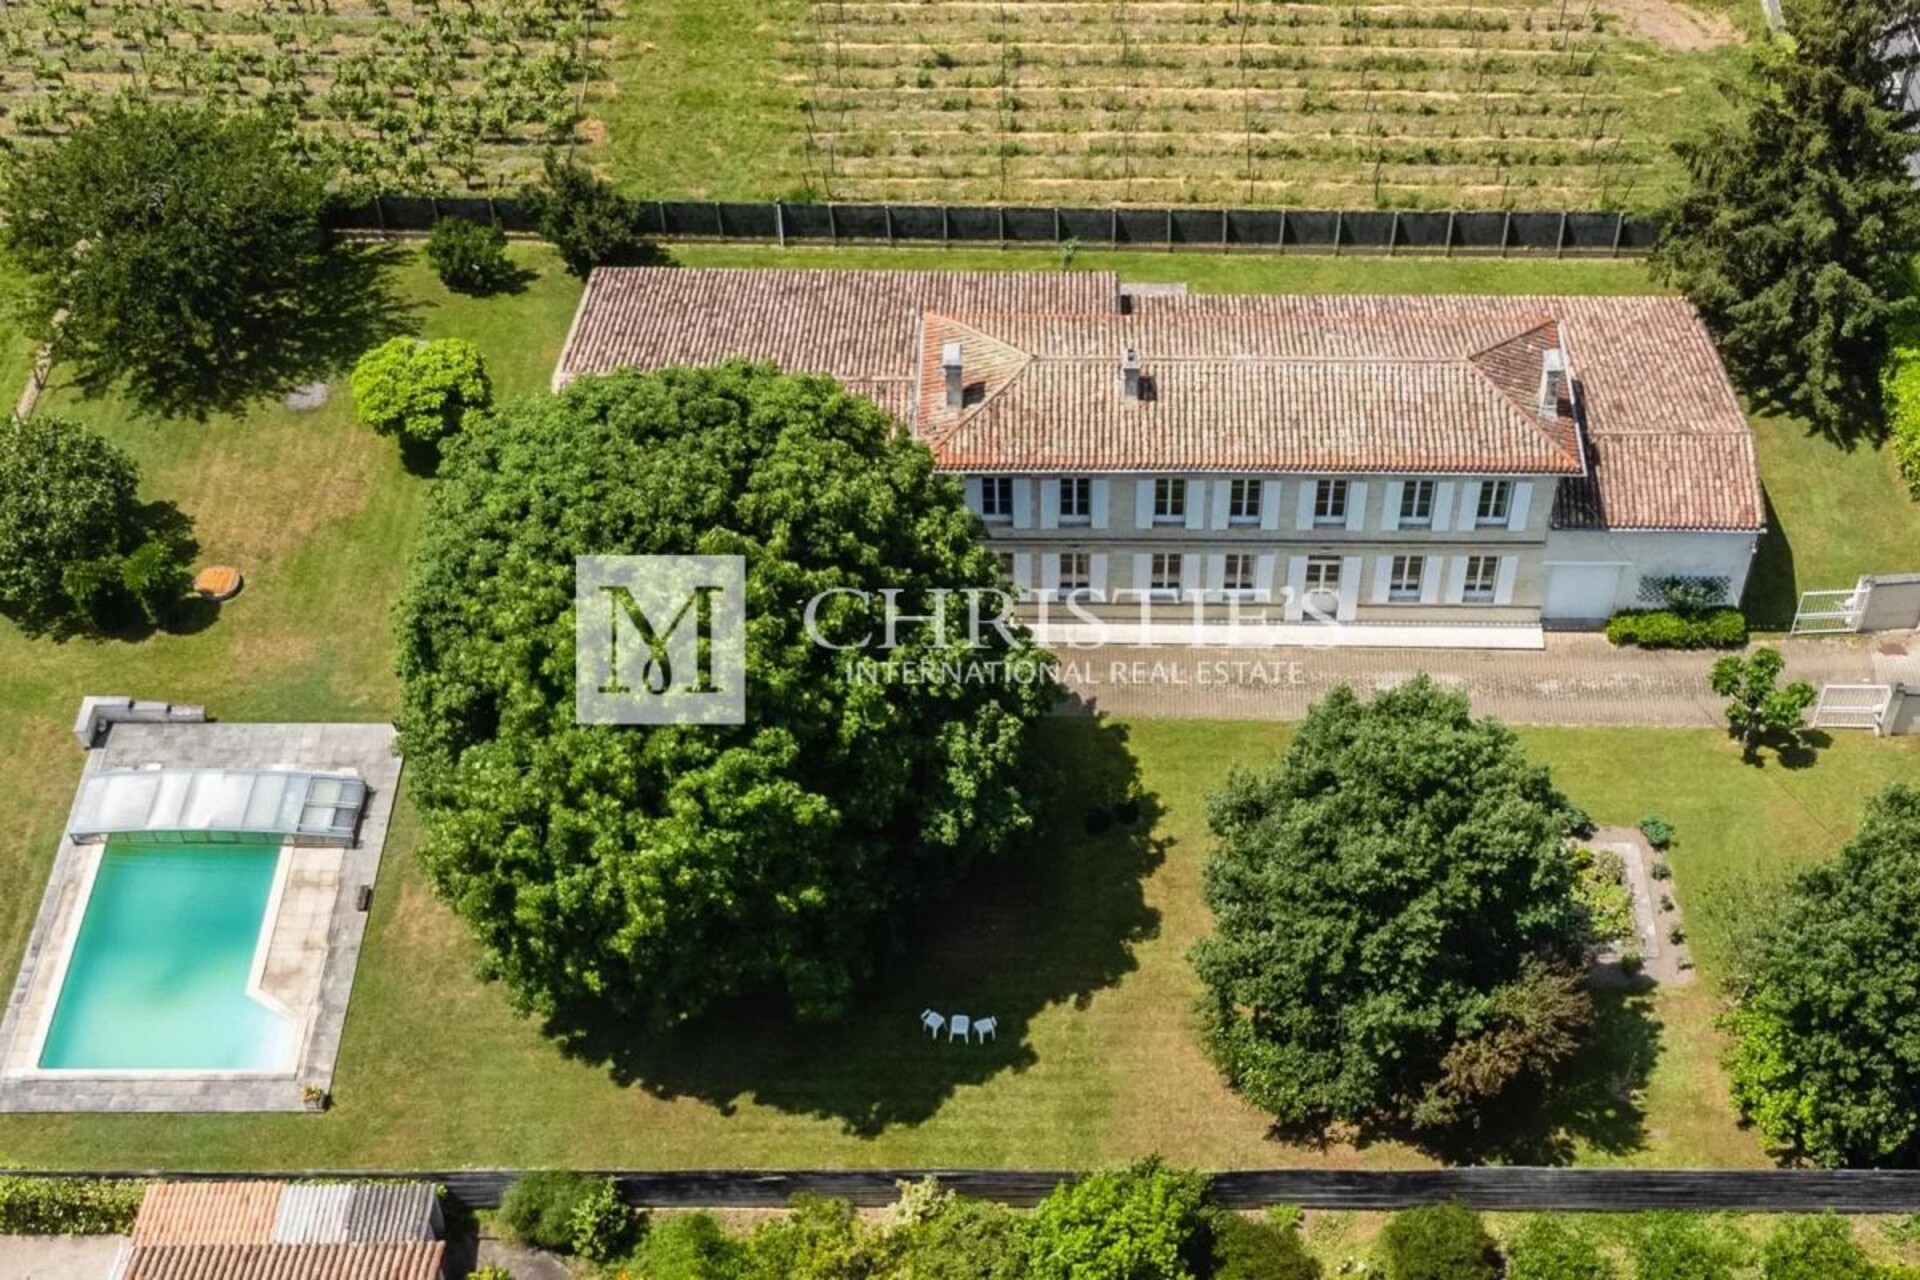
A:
[652,870]
[78,550]
[1801,217]
[1827,1066]
[1395,917]
[180,251]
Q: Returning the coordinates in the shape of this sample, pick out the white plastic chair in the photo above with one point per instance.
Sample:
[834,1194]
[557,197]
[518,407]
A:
[986,1028]
[932,1023]
[957,1028]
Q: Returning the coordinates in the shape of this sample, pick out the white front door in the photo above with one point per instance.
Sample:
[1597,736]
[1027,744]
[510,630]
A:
[1581,592]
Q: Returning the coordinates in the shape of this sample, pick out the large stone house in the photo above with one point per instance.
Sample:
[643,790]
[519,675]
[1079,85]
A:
[1405,466]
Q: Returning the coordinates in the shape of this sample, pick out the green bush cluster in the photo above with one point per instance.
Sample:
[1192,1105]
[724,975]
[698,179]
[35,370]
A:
[570,1213]
[470,257]
[1146,1222]
[68,1206]
[1669,629]
[582,216]
[1903,414]
[1438,1242]
[79,552]
[421,392]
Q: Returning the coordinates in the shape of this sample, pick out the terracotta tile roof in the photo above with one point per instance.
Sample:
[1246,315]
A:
[859,326]
[1044,395]
[223,1213]
[416,1260]
[207,1213]
[1243,382]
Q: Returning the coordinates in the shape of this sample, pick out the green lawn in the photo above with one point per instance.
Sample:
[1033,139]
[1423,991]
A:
[1078,947]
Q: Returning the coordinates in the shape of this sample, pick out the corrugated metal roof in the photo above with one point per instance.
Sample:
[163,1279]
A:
[207,1213]
[220,1213]
[313,1213]
[393,1211]
[414,1260]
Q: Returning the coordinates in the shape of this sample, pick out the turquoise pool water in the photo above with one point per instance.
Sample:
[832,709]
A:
[158,978]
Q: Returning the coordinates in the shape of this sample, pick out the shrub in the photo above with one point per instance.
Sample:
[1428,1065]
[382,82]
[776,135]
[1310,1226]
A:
[1245,1250]
[1814,1249]
[1676,935]
[68,511]
[1658,831]
[156,578]
[421,392]
[583,216]
[1667,629]
[1672,1246]
[690,1246]
[1547,1249]
[1631,963]
[540,1208]
[1903,388]
[1579,823]
[601,1225]
[819,1240]
[470,257]
[68,1206]
[1660,870]
[941,1236]
[1139,1221]
[1438,1242]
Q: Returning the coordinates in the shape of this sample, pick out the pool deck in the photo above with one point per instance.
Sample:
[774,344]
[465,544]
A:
[312,950]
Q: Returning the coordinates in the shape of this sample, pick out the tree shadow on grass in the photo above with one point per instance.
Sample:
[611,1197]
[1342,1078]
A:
[346,305]
[1054,922]
[1591,1105]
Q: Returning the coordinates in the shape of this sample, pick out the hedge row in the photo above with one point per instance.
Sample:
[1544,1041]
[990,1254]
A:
[1666,629]
[68,1206]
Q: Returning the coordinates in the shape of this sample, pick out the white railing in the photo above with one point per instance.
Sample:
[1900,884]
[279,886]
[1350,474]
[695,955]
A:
[1852,706]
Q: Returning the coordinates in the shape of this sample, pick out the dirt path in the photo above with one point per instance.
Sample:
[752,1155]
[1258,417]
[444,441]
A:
[1673,25]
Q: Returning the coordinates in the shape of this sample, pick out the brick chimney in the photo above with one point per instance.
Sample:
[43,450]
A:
[950,368]
[1130,375]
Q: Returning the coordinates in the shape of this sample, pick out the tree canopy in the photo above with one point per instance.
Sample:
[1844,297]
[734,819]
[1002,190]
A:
[1796,232]
[1396,917]
[180,251]
[78,550]
[1828,1061]
[652,870]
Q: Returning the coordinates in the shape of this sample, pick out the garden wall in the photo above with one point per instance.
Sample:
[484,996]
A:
[1568,234]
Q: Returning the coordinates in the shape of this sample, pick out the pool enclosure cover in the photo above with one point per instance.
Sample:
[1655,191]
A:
[218,806]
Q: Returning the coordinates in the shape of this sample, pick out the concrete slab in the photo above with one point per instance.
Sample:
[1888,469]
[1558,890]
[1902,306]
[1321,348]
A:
[61,1257]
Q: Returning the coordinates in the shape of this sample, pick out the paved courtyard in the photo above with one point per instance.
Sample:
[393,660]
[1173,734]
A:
[60,1257]
[1578,679]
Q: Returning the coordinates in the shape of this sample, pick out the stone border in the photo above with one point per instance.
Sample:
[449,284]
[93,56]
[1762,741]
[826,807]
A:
[366,748]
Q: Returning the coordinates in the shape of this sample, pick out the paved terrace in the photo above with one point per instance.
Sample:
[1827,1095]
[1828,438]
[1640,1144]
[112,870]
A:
[312,951]
[1578,679]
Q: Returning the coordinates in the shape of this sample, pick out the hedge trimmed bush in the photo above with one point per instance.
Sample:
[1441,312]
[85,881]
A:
[1674,1246]
[1438,1242]
[421,392]
[1903,397]
[68,1206]
[1546,1249]
[1666,629]
[562,1212]
[1246,1250]
[691,1246]
[470,257]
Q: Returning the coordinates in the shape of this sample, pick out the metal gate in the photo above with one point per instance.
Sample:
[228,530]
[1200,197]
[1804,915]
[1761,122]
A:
[1852,706]
[1829,612]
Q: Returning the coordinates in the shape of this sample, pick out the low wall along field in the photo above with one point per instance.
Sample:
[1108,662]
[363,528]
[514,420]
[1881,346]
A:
[1309,103]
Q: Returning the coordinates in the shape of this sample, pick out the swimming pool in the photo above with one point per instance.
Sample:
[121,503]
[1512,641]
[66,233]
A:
[158,976]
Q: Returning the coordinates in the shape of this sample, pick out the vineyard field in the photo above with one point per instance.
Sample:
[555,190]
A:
[1525,104]
[405,94]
